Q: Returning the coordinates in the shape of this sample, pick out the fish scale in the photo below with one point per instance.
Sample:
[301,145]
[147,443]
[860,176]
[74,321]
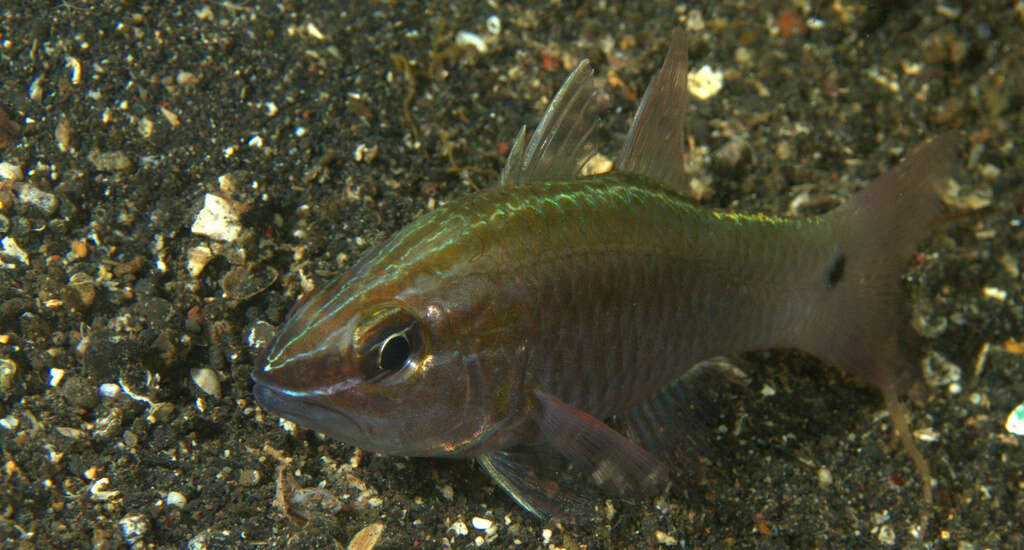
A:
[659,263]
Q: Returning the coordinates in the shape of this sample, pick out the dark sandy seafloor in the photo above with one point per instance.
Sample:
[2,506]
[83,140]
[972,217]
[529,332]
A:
[127,338]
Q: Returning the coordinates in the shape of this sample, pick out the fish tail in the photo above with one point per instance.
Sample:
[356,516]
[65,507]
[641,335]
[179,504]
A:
[863,322]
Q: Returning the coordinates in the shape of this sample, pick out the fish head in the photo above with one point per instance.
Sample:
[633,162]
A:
[373,360]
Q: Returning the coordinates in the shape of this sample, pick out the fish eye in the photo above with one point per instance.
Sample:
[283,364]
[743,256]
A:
[394,352]
[390,341]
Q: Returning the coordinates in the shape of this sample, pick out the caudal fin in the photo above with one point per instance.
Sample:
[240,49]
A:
[863,323]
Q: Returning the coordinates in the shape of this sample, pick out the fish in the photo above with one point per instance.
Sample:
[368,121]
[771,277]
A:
[510,325]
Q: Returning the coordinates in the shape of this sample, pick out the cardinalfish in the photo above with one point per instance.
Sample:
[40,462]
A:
[508,325]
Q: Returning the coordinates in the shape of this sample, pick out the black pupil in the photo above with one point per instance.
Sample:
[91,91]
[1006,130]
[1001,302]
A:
[394,353]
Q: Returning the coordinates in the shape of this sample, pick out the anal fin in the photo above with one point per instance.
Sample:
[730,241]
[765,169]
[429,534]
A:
[676,424]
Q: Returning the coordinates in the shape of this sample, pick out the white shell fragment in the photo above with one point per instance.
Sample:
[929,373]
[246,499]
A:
[314,31]
[9,248]
[98,490]
[939,371]
[206,379]
[482,524]
[76,69]
[472,40]
[176,499]
[493,24]
[704,83]
[10,171]
[459,528]
[133,527]
[109,389]
[217,220]
[1015,422]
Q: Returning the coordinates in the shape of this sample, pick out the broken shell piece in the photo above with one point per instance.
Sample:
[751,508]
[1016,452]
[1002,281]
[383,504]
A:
[207,380]
[704,83]
[1015,422]
[217,220]
[959,198]
[198,257]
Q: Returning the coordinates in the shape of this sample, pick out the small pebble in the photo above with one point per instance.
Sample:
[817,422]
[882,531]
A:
[130,439]
[185,78]
[160,412]
[928,434]
[9,130]
[9,422]
[83,287]
[260,335]
[114,161]
[597,164]
[367,537]
[79,249]
[45,202]
[8,368]
[824,477]
[482,524]
[249,478]
[62,133]
[665,539]
[994,293]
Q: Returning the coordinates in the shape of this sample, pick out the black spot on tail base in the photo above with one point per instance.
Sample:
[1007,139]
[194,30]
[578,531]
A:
[836,271]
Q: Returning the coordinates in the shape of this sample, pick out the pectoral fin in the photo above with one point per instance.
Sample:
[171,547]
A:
[611,460]
[538,479]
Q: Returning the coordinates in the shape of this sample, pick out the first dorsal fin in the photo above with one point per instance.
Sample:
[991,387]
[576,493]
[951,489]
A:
[559,147]
[656,143]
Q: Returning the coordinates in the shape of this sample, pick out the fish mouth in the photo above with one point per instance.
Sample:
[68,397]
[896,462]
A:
[307,411]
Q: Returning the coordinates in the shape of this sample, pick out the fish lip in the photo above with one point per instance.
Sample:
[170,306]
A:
[305,410]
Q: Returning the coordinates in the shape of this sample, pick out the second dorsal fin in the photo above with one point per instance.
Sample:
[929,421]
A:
[656,145]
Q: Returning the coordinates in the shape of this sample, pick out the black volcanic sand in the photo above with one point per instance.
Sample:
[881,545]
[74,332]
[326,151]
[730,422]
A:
[120,117]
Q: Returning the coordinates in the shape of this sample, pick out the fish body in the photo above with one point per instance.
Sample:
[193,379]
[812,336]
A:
[508,324]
